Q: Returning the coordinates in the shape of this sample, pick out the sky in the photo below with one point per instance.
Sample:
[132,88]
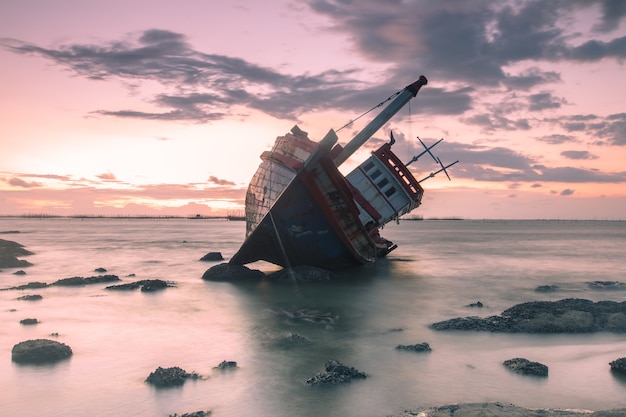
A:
[163,108]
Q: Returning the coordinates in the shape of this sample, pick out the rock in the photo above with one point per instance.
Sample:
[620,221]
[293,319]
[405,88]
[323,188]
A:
[39,351]
[19,272]
[564,316]
[101,270]
[194,414]
[526,367]
[547,288]
[228,272]
[30,297]
[606,285]
[335,373]
[80,281]
[27,322]
[212,256]
[30,286]
[618,365]
[308,315]
[146,285]
[508,410]
[227,365]
[170,377]
[9,251]
[476,304]
[293,339]
[301,275]
[419,347]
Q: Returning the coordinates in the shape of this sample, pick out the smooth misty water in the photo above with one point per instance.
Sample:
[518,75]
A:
[118,338]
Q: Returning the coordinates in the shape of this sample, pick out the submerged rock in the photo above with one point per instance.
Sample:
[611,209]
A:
[301,275]
[212,256]
[419,347]
[228,272]
[526,367]
[170,377]
[570,315]
[335,373]
[40,351]
[508,410]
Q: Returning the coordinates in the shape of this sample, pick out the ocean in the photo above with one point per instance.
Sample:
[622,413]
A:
[439,268]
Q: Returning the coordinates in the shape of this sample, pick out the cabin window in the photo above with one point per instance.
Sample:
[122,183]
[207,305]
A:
[376,174]
[368,166]
[383,182]
[390,191]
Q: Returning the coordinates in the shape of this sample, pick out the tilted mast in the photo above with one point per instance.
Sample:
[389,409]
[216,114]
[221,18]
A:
[383,117]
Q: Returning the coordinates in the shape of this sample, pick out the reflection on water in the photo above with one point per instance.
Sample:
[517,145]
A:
[118,338]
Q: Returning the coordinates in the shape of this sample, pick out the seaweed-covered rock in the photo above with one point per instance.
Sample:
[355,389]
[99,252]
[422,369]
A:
[301,274]
[526,367]
[170,377]
[40,351]
[335,373]
[419,347]
[618,365]
[227,365]
[212,256]
[9,251]
[228,272]
[570,315]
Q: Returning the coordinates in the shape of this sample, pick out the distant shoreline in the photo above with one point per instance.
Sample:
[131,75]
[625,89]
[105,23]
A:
[239,217]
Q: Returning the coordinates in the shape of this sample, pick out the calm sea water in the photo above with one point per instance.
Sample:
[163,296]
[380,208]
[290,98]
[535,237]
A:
[440,267]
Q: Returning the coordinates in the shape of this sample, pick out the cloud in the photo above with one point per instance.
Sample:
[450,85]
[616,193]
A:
[499,164]
[217,181]
[578,155]
[108,177]
[18,182]
[474,40]
[567,192]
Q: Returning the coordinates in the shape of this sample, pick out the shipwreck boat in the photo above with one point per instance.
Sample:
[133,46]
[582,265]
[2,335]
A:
[300,210]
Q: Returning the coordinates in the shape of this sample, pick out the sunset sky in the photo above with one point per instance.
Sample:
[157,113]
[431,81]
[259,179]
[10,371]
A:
[163,108]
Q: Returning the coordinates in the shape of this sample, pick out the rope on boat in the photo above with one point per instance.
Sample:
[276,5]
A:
[370,110]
